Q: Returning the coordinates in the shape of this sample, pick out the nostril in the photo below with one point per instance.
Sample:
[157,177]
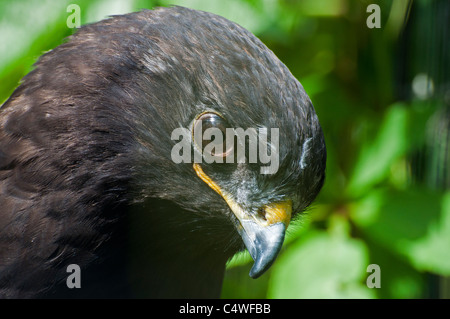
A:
[262,213]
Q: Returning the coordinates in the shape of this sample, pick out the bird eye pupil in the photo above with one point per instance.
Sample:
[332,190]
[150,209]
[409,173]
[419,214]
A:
[210,138]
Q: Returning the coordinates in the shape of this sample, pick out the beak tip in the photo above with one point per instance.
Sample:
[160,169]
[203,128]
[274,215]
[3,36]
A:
[265,248]
[254,273]
[259,269]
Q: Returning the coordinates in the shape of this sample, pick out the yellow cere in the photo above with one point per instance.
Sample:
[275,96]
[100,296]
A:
[279,212]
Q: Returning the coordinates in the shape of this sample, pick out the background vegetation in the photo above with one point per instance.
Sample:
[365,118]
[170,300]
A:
[382,96]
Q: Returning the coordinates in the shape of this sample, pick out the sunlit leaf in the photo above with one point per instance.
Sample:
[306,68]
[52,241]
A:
[323,7]
[414,223]
[321,265]
[376,157]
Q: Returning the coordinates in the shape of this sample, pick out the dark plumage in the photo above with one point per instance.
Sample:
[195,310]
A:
[86,175]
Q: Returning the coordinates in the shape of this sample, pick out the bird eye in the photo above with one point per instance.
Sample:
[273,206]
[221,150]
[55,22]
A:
[209,133]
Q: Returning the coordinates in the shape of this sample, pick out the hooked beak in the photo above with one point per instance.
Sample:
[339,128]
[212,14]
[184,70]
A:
[263,244]
[262,233]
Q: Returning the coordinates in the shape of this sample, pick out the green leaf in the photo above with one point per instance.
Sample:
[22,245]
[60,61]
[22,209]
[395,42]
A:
[414,223]
[399,279]
[376,158]
[323,8]
[321,265]
[431,252]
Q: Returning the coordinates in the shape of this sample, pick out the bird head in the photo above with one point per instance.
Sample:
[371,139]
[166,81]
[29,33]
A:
[221,126]
[239,139]
[262,192]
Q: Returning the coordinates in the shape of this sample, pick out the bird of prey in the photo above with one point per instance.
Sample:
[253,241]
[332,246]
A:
[88,175]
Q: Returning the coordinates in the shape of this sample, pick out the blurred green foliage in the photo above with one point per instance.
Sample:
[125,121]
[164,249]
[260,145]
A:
[382,98]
